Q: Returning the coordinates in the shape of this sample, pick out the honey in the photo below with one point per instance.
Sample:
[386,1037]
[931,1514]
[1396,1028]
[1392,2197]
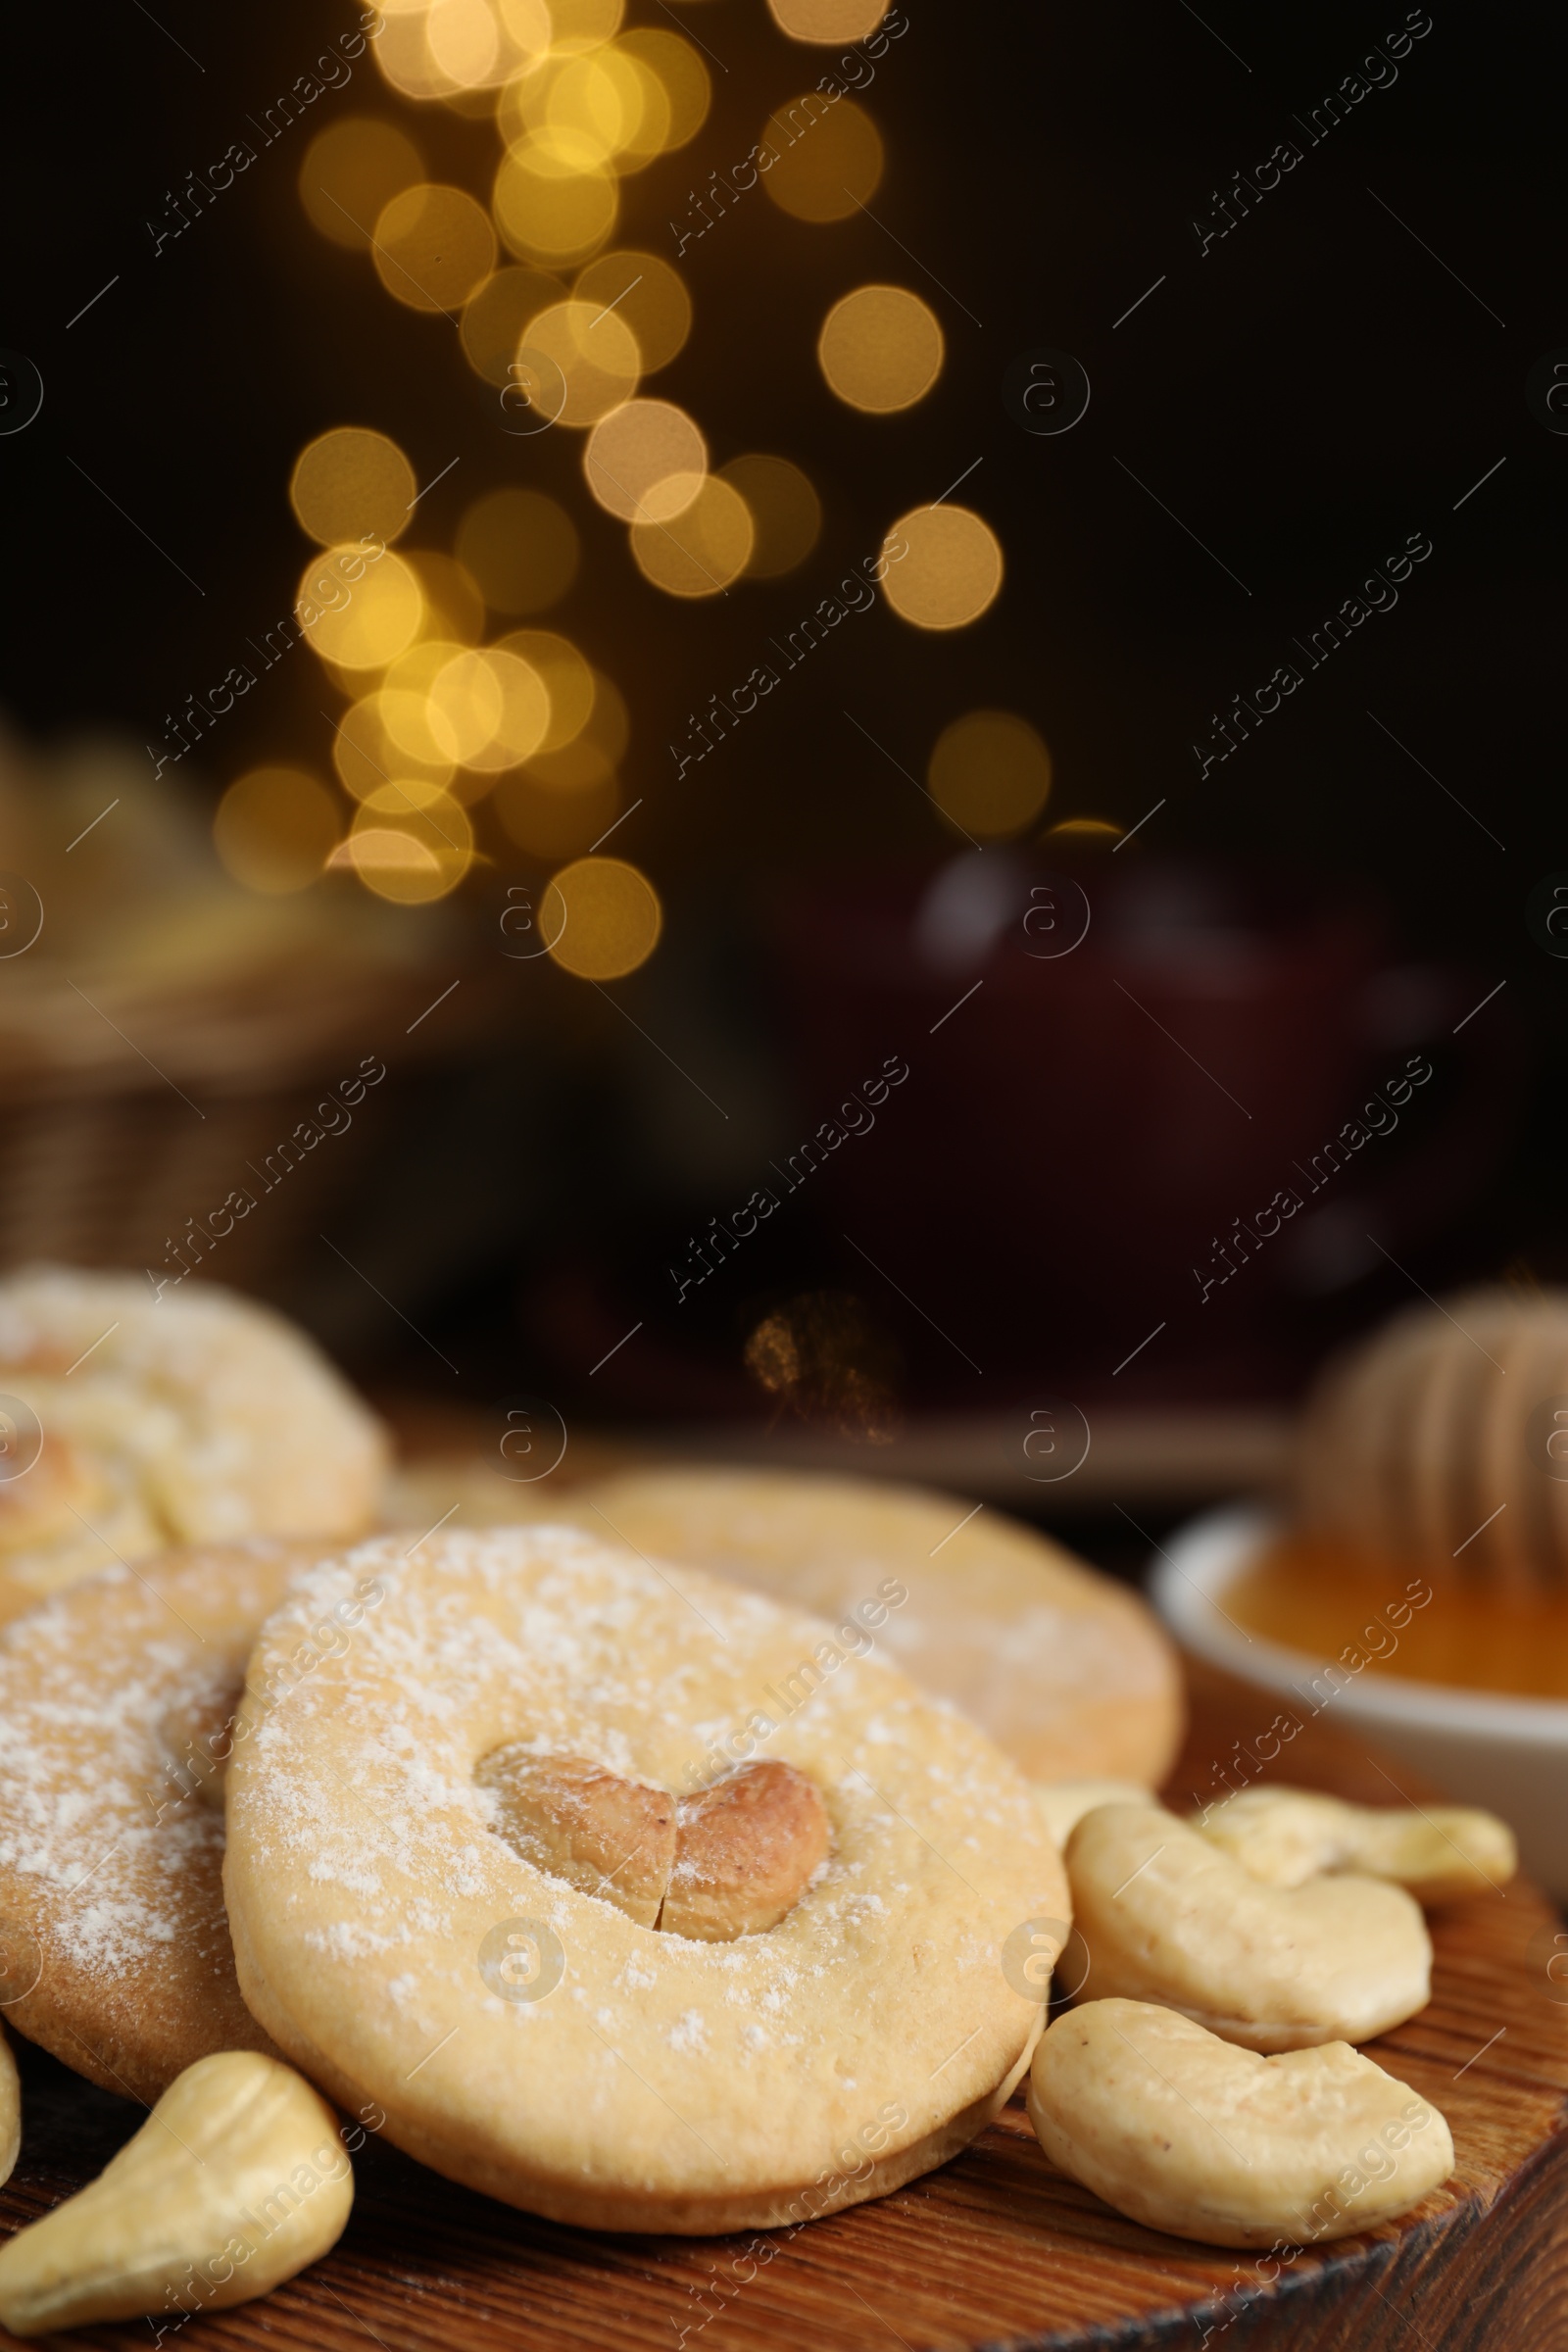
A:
[1372,1615]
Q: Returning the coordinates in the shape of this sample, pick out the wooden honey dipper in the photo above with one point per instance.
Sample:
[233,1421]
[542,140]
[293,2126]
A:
[1442,1440]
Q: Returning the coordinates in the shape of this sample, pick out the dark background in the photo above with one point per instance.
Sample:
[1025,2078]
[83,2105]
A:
[1315,388]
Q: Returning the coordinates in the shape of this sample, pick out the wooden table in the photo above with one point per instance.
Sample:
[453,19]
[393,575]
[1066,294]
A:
[997,2249]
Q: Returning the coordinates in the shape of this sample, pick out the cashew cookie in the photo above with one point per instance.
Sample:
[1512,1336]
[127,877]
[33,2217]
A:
[131,1423]
[117,1699]
[418,1924]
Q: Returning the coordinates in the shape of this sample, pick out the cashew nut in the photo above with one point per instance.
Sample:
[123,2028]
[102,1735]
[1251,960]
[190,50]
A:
[1063,1803]
[10,2112]
[1288,1836]
[745,1849]
[238,2179]
[729,1861]
[1167,1916]
[1182,2132]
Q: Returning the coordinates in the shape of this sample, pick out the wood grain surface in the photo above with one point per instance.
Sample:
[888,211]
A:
[995,2250]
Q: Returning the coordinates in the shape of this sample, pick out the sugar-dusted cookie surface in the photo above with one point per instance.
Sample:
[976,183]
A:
[131,1422]
[534,2039]
[1068,1672]
[114,1702]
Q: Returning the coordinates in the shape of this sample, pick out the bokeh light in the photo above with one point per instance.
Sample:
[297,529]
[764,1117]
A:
[579,25]
[453,603]
[365,757]
[703,549]
[577,364]
[359,624]
[465,43]
[597,749]
[786,513]
[828,157]
[880,349]
[645,460]
[409,845]
[568,681]
[274,829]
[554,201]
[827,21]
[524,714]
[402,51]
[351,483]
[688,90]
[433,246]
[549,823]
[648,295]
[1084,833]
[949,569]
[402,705]
[350,175]
[990,773]
[603,917]
[494,318]
[522,548]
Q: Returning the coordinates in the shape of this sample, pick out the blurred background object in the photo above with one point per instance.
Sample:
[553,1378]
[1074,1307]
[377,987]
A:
[736,683]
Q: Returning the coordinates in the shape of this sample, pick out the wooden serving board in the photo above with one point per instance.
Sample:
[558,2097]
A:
[996,2250]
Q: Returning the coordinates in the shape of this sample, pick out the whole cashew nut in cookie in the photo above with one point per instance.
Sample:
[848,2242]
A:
[1167,1916]
[1185,2133]
[235,2181]
[1288,1836]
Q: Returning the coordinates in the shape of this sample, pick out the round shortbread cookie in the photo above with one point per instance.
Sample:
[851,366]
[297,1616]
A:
[1068,1672]
[534,2040]
[114,1702]
[130,1421]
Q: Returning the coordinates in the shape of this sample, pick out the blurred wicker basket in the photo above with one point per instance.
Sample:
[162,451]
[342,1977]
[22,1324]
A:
[132,1109]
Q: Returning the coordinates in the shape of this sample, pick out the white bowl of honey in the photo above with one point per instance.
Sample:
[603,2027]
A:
[1464,1679]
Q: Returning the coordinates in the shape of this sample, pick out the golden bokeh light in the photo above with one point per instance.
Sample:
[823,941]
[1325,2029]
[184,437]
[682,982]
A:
[462,708]
[949,570]
[350,175]
[786,513]
[401,51]
[466,43]
[579,25]
[595,751]
[364,622]
[522,548]
[274,829]
[880,349]
[648,294]
[453,603]
[688,90]
[524,714]
[598,103]
[828,157]
[527,30]
[365,757]
[549,823]
[990,773]
[602,916]
[576,364]
[1084,833]
[351,483]
[553,200]
[827,21]
[644,462]
[703,549]
[433,246]
[568,680]
[431,844]
[495,317]
[402,705]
